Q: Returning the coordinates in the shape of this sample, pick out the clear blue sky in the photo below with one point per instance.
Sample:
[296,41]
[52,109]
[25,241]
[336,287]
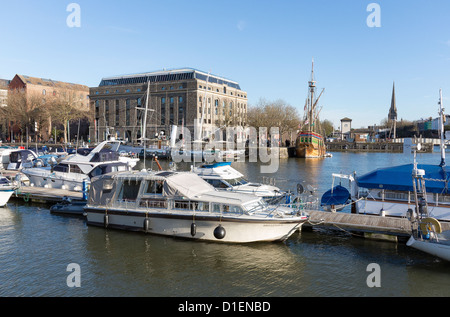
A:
[266,46]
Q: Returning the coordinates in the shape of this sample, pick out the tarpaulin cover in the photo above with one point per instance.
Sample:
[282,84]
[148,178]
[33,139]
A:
[400,178]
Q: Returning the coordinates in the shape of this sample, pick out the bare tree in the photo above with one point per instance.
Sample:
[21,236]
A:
[271,114]
[25,110]
[64,107]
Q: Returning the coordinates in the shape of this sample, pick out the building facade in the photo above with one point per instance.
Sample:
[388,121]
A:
[48,89]
[4,83]
[182,97]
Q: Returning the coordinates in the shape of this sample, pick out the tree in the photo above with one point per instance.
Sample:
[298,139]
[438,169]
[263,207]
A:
[25,110]
[271,114]
[65,107]
[327,127]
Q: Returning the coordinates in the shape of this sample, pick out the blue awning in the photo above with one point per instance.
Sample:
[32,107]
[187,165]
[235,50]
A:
[400,178]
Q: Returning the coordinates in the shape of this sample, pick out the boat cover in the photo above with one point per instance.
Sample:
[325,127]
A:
[400,178]
[336,196]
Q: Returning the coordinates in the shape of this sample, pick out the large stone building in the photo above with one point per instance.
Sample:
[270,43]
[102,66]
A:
[77,95]
[180,97]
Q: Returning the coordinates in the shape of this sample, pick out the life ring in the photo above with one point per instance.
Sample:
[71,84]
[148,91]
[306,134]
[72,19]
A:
[427,224]
[26,198]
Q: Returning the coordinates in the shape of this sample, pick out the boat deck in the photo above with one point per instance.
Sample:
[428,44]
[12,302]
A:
[367,226]
[45,195]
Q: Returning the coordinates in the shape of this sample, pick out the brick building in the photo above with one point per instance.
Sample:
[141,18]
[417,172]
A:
[176,97]
[48,89]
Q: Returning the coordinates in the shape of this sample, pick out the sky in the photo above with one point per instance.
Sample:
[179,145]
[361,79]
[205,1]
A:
[266,46]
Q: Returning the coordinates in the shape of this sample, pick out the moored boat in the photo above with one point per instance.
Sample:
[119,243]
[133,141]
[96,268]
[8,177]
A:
[310,143]
[224,177]
[181,204]
[6,190]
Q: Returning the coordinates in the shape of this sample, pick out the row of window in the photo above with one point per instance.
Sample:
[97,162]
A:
[223,91]
[128,90]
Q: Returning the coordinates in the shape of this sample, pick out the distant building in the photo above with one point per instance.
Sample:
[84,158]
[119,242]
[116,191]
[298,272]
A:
[346,127]
[176,98]
[47,89]
[3,102]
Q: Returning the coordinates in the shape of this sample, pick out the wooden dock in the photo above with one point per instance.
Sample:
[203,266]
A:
[45,195]
[366,226]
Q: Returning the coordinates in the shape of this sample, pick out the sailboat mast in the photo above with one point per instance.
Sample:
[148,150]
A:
[312,88]
[441,127]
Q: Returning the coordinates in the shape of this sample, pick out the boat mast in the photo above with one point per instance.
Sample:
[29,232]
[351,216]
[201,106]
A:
[441,127]
[312,89]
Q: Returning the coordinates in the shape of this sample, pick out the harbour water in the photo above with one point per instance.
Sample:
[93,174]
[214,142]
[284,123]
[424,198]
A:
[36,248]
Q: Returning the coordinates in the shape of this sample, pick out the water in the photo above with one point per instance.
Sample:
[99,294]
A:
[36,247]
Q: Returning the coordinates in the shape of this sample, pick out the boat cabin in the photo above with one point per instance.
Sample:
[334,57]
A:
[183,192]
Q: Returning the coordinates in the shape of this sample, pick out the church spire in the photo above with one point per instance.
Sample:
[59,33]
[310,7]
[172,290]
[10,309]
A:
[393,110]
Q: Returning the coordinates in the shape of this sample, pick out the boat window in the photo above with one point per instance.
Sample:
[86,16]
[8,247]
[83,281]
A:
[61,168]
[130,190]
[232,209]
[155,187]
[200,206]
[217,183]
[153,203]
[75,169]
[215,207]
[255,206]
[181,204]
[237,181]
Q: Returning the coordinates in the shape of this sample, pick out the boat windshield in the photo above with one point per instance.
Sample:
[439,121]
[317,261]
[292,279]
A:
[255,206]
[237,181]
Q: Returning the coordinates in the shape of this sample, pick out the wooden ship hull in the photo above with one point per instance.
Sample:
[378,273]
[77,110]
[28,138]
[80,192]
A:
[310,145]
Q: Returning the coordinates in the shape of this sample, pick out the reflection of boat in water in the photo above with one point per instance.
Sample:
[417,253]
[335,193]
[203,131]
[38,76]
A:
[310,143]
[223,177]
[184,205]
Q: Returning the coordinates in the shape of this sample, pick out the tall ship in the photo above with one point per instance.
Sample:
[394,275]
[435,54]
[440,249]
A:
[310,143]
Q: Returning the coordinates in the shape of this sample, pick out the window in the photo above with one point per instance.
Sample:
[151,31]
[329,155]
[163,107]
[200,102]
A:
[130,190]
[155,187]
[181,204]
[117,113]
[44,92]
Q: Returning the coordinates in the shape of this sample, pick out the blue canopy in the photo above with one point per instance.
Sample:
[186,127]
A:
[338,195]
[400,178]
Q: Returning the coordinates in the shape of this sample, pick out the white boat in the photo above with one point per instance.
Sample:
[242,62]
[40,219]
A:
[21,158]
[432,241]
[75,171]
[223,177]
[6,190]
[389,191]
[181,204]
[427,234]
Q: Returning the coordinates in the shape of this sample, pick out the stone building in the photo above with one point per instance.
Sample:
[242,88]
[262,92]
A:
[181,97]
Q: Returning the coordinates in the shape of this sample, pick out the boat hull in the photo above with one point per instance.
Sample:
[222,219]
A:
[68,181]
[5,195]
[178,225]
[437,249]
[310,145]
[399,208]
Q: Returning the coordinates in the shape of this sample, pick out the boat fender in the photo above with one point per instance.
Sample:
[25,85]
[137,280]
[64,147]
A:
[146,224]
[106,220]
[193,229]
[219,232]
